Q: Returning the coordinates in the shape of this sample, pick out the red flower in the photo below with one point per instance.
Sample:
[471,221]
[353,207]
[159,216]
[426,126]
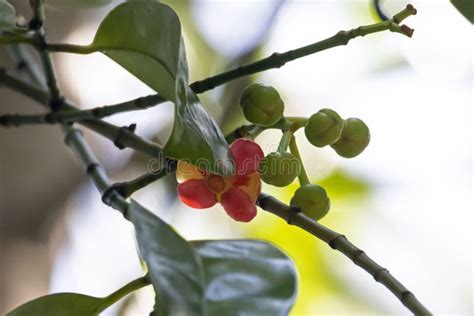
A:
[237,193]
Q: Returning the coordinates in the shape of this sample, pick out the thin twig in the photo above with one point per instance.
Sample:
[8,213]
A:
[339,242]
[73,136]
[118,135]
[127,188]
[71,116]
[276,60]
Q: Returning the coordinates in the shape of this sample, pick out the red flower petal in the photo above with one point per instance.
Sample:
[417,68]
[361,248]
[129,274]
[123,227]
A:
[194,193]
[238,205]
[247,155]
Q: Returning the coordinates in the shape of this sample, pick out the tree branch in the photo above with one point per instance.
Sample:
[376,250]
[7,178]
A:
[120,136]
[73,136]
[72,116]
[276,60]
[127,188]
[339,242]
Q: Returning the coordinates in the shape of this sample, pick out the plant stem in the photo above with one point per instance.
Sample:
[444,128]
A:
[126,189]
[297,122]
[284,141]
[39,39]
[277,60]
[73,136]
[120,136]
[30,71]
[13,38]
[71,48]
[122,292]
[72,116]
[303,176]
[339,242]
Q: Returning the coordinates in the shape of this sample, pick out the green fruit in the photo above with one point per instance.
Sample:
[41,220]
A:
[261,104]
[324,128]
[279,168]
[354,139]
[312,200]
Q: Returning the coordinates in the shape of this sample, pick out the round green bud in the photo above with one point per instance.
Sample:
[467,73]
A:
[279,168]
[312,200]
[354,139]
[261,104]
[324,128]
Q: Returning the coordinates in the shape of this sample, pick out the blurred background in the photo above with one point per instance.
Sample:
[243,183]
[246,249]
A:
[407,200]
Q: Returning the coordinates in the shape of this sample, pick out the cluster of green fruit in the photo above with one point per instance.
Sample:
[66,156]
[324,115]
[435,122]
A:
[263,106]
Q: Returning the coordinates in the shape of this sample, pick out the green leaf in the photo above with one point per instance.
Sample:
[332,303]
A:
[234,277]
[466,8]
[74,304]
[145,38]
[71,304]
[247,277]
[7,16]
[197,138]
[173,267]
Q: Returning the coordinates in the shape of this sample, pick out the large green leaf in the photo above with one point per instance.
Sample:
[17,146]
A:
[71,304]
[246,277]
[466,8]
[145,38]
[173,267]
[233,277]
[7,16]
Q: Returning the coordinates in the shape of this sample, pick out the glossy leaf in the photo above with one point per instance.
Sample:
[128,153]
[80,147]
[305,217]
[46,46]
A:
[71,304]
[466,8]
[145,38]
[7,16]
[173,266]
[197,138]
[247,277]
[231,277]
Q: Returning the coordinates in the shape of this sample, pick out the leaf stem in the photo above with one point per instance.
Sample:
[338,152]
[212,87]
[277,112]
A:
[71,48]
[341,243]
[122,292]
[303,176]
